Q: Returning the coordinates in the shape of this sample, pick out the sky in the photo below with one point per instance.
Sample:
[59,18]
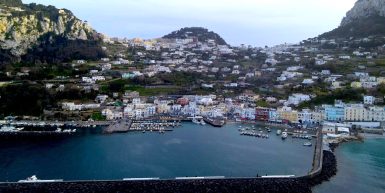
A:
[250,22]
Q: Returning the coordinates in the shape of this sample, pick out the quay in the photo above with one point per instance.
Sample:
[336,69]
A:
[123,126]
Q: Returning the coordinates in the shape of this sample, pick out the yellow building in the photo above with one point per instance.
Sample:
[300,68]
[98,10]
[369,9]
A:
[356,85]
[286,113]
[163,108]
[355,113]
[381,80]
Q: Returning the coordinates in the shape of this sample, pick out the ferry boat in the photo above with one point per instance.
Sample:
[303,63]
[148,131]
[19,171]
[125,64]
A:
[284,135]
[34,179]
[308,144]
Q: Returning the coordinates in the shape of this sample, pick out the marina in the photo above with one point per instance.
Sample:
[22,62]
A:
[263,132]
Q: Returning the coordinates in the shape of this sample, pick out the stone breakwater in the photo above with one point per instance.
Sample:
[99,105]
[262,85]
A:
[271,185]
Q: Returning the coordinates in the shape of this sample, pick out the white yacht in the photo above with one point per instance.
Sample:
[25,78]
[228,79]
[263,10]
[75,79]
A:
[196,121]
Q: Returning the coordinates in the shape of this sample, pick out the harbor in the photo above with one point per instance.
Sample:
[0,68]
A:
[131,155]
[301,182]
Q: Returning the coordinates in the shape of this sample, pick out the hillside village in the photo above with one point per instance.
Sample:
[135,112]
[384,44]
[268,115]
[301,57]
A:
[194,72]
[281,84]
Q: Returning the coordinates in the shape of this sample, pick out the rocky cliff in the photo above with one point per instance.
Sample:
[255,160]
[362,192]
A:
[364,9]
[366,18]
[21,25]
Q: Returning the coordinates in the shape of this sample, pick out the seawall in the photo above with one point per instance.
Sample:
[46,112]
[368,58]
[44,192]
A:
[236,185]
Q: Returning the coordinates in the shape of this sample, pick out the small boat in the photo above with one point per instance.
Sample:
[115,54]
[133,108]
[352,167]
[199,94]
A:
[279,132]
[268,130]
[143,131]
[284,135]
[203,122]
[10,129]
[308,144]
[34,179]
[196,121]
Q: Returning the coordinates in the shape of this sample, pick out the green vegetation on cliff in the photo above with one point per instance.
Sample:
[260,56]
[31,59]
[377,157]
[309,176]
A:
[200,33]
[361,28]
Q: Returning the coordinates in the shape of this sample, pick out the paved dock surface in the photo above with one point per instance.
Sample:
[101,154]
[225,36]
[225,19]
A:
[120,126]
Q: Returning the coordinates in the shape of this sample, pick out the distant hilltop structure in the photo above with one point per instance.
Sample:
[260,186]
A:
[196,34]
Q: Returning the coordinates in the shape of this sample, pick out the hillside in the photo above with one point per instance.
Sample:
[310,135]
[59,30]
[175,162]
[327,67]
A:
[201,34]
[366,18]
[360,28]
[24,28]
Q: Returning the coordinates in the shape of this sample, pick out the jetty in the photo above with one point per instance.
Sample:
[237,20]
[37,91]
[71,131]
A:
[121,126]
[124,126]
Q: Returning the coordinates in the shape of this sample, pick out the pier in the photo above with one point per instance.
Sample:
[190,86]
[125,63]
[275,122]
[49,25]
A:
[124,126]
[318,155]
[121,126]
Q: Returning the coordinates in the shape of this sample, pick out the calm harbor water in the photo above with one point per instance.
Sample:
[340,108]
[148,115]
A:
[361,168]
[190,150]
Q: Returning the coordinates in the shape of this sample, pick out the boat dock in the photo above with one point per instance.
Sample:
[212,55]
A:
[318,155]
[121,126]
[124,126]
[160,126]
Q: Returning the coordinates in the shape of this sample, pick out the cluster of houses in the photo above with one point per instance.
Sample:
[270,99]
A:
[241,108]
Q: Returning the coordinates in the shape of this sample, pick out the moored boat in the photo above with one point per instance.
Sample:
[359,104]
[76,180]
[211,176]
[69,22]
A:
[284,135]
[34,179]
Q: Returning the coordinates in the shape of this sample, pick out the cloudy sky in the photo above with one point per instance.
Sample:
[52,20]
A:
[255,22]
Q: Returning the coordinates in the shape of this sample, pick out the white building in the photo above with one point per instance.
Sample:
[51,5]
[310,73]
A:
[296,99]
[369,100]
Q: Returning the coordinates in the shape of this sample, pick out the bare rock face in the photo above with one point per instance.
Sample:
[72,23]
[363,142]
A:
[21,25]
[365,9]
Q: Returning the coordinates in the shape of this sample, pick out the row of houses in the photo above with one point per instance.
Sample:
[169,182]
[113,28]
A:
[338,112]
